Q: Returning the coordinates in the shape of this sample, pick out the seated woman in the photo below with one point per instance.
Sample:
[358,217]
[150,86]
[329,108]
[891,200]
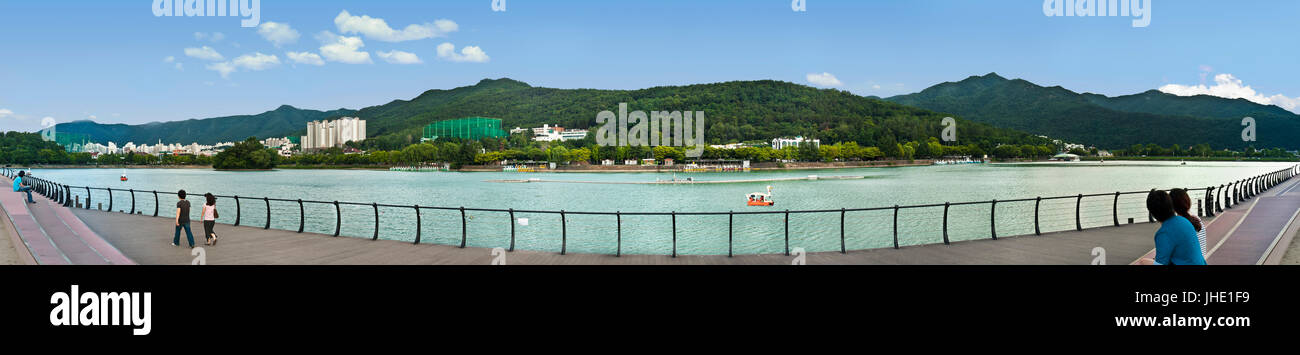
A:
[1176,241]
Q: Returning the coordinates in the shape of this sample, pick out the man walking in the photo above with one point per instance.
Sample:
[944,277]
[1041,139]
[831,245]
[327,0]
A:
[183,220]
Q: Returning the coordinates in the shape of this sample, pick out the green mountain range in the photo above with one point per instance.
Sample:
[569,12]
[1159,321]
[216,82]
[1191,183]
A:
[283,121]
[1109,122]
[734,111]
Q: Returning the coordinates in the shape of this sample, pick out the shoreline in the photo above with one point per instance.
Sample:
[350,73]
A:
[559,169]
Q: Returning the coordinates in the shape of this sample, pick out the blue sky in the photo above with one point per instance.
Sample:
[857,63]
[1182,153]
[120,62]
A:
[75,59]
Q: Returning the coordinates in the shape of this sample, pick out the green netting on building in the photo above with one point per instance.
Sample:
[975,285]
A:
[72,142]
[465,128]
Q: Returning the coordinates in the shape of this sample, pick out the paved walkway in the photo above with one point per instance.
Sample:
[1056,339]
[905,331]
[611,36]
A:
[1257,231]
[49,234]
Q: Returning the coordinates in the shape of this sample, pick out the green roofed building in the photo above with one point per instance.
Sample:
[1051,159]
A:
[471,128]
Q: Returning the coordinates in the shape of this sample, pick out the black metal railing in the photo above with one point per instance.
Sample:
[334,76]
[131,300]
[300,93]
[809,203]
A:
[1214,199]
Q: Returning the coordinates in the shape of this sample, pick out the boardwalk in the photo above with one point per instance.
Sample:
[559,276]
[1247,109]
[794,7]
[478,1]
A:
[1255,231]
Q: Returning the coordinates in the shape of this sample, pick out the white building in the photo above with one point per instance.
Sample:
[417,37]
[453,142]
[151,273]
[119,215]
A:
[546,129]
[548,133]
[573,134]
[793,142]
[330,134]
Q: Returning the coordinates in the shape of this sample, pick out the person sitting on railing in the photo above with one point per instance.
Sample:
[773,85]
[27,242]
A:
[19,186]
[1176,239]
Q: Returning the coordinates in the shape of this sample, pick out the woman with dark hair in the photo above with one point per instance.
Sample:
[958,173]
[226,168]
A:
[210,218]
[1176,239]
[1183,207]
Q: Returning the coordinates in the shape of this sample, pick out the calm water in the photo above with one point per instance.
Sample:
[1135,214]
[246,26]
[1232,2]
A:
[883,187]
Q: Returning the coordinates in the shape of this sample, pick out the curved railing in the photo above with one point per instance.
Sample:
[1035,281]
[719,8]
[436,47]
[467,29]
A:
[1215,200]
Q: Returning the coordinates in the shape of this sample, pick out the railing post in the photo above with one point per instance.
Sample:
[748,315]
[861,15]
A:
[1218,196]
[132,201]
[87,197]
[338,218]
[376,208]
[1037,202]
[842,248]
[238,210]
[417,224]
[110,199]
[731,219]
[155,203]
[618,250]
[993,219]
[787,232]
[302,216]
[68,198]
[512,229]
[268,212]
[564,234]
[1199,211]
[895,226]
[464,231]
[1078,220]
[945,223]
[1114,207]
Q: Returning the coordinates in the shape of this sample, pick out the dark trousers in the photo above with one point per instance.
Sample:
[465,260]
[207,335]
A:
[207,229]
[28,190]
[188,235]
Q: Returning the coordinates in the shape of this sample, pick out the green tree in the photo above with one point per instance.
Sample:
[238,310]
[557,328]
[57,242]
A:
[249,154]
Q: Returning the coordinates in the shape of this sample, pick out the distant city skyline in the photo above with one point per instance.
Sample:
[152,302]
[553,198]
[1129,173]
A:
[115,62]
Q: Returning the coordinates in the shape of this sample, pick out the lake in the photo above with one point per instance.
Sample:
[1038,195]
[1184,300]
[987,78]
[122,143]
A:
[696,235]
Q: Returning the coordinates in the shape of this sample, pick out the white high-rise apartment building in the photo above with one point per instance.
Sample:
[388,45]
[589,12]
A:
[330,134]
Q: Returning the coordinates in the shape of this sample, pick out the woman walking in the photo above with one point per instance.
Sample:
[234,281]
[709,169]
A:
[210,218]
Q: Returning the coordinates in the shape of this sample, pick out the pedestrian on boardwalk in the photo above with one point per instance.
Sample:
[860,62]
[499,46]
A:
[182,220]
[210,216]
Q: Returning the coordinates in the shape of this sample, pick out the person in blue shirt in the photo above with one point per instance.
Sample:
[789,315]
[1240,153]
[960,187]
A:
[1176,241]
[18,186]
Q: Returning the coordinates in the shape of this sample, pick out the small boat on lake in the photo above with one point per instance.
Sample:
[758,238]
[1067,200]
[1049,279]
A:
[761,199]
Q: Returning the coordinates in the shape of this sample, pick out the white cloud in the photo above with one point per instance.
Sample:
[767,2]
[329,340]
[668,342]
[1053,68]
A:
[256,61]
[5,113]
[823,79]
[225,68]
[378,29]
[247,62]
[277,33]
[1228,86]
[399,57]
[204,53]
[342,49]
[169,59]
[469,54]
[305,58]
